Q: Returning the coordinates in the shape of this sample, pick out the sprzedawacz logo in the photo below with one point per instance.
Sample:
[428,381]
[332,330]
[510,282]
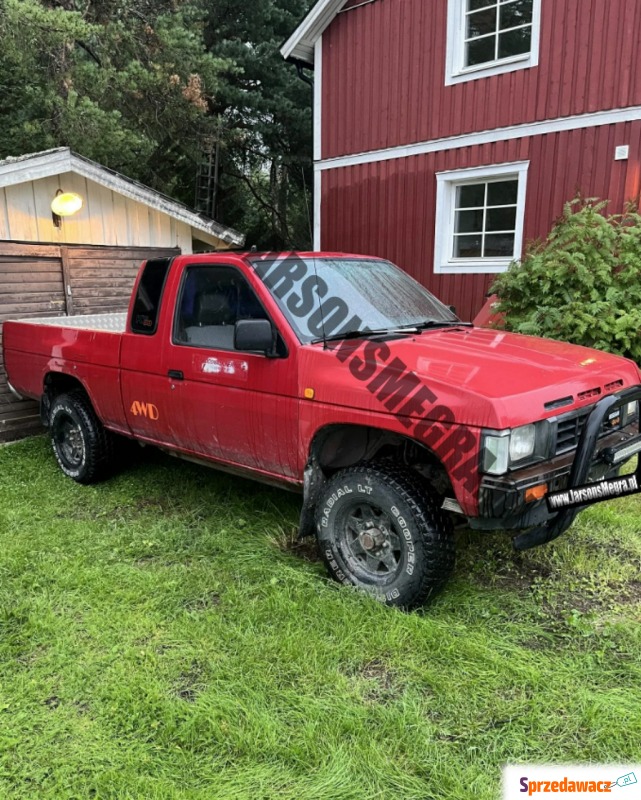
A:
[575,781]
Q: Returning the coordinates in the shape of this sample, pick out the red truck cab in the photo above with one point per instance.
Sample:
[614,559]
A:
[338,376]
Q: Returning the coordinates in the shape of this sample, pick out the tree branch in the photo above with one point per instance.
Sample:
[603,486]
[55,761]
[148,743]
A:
[267,206]
[89,52]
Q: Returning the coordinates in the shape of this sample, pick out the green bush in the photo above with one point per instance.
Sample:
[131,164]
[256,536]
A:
[583,284]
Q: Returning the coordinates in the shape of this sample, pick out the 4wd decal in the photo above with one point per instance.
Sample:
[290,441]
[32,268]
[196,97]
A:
[148,410]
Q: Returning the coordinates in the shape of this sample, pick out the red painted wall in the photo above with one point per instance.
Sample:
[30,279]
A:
[387,209]
[384,73]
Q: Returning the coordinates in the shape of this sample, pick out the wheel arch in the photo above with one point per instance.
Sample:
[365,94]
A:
[54,384]
[341,445]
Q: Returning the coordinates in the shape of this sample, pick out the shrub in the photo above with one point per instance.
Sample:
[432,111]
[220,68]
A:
[583,284]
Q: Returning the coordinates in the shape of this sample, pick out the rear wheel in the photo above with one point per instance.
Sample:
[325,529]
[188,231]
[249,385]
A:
[81,445]
[381,530]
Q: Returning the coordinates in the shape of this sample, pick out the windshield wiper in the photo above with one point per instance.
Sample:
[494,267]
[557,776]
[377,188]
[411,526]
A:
[402,331]
[440,323]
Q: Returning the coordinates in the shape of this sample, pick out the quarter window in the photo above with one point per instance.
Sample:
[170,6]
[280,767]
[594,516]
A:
[144,318]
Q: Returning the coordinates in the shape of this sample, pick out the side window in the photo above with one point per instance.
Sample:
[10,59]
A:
[144,318]
[212,300]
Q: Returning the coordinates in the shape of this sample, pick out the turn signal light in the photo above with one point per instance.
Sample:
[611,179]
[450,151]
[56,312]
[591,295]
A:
[536,492]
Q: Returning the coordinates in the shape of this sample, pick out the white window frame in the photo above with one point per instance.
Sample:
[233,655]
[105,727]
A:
[446,185]
[455,69]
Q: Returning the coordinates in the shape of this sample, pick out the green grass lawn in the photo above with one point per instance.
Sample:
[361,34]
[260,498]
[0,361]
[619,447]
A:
[162,635]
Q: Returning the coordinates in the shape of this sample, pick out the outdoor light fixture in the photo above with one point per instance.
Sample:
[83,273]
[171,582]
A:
[65,204]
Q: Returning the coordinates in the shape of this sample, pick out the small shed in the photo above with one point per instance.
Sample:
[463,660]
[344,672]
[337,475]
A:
[85,263]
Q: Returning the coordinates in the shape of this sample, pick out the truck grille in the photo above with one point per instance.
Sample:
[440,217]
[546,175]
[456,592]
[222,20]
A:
[569,429]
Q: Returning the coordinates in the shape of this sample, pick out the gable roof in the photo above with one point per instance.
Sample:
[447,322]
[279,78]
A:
[48,163]
[300,45]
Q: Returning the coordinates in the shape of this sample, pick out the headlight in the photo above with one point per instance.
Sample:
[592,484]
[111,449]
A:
[522,442]
[518,447]
[630,411]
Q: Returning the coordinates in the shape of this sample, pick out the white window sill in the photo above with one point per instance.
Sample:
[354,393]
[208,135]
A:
[490,266]
[493,68]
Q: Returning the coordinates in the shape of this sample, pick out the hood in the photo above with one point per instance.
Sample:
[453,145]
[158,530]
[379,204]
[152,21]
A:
[486,378]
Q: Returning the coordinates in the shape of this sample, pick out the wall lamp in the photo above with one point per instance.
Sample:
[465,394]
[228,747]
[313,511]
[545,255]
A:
[64,204]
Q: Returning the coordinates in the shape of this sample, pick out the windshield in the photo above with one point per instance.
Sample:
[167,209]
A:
[324,297]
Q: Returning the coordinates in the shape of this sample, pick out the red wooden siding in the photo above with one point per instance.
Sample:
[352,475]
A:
[384,73]
[387,208]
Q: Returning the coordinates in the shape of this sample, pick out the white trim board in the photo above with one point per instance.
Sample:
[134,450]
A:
[592,120]
[318,142]
[300,45]
[318,99]
[318,207]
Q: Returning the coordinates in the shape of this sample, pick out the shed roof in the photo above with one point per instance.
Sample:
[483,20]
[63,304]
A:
[47,163]
[300,45]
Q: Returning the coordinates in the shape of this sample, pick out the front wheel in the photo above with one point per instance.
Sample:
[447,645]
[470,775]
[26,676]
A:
[81,445]
[379,529]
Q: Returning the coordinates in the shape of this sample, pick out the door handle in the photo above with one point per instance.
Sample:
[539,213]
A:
[176,374]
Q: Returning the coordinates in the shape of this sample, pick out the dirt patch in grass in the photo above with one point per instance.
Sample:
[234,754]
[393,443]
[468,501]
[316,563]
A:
[381,682]
[631,592]
[504,569]
[377,671]
[306,548]
[202,603]
[190,683]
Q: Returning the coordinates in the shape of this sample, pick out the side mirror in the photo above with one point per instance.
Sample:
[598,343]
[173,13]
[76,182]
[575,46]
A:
[254,335]
[452,309]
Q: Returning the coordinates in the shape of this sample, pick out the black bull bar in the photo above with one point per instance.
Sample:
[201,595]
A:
[583,461]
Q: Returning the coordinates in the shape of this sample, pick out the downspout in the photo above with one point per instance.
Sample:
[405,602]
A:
[300,66]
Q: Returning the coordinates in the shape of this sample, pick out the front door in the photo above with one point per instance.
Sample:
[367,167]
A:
[237,407]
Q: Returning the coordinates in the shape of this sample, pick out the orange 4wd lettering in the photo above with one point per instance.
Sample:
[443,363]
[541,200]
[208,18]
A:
[148,410]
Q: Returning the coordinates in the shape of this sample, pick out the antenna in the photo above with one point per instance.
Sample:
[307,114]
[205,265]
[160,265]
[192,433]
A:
[320,306]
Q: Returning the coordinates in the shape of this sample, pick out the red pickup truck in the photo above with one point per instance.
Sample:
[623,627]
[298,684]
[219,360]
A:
[340,377]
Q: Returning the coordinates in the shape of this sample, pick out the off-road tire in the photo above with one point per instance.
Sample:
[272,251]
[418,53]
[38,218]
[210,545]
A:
[81,445]
[415,537]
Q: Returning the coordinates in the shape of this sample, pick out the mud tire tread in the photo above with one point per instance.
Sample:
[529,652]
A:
[430,524]
[98,442]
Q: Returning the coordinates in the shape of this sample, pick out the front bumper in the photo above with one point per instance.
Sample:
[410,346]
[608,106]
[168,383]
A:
[502,503]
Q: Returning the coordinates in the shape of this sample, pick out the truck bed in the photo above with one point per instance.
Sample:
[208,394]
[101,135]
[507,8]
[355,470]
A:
[86,347]
[110,323]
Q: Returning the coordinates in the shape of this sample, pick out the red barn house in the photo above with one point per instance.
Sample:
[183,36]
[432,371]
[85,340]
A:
[448,133]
